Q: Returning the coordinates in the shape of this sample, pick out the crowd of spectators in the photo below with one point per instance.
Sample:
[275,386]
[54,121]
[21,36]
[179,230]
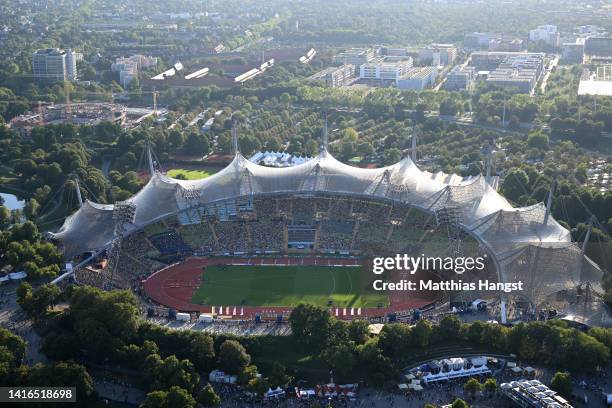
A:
[199,237]
[265,208]
[336,234]
[267,235]
[335,223]
[303,211]
[169,242]
[232,236]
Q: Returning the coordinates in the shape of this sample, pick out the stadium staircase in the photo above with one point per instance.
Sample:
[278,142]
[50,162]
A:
[214,234]
[355,232]
[285,238]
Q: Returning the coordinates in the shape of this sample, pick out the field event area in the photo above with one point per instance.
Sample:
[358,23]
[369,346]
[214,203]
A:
[287,286]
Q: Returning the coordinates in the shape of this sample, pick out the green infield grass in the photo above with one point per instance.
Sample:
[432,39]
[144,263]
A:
[226,285]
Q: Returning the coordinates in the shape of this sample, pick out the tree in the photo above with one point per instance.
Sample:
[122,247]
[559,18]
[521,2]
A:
[392,156]
[208,397]
[459,403]
[340,356]
[394,341]
[179,397]
[310,325]
[562,383]
[24,297]
[358,331]
[44,297]
[421,333]
[12,352]
[25,232]
[515,184]
[449,107]
[156,399]
[249,373]
[490,385]
[449,327]
[31,209]
[372,362]
[258,385]
[278,375]
[233,358]
[162,374]
[202,350]
[538,140]
[64,374]
[475,332]
[197,143]
[176,139]
[5,217]
[472,386]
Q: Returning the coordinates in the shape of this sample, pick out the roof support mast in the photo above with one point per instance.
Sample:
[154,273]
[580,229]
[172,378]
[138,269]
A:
[235,147]
[413,153]
[588,233]
[324,135]
[150,159]
[78,191]
[489,164]
[551,194]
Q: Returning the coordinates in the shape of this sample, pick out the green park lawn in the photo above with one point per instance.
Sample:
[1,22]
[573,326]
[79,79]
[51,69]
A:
[226,285]
[189,174]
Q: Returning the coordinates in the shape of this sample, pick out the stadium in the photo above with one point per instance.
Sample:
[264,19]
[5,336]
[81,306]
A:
[252,239]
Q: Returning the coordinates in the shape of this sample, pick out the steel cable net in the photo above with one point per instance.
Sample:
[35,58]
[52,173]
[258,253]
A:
[505,230]
[156,199]
[548,270]
[91,227]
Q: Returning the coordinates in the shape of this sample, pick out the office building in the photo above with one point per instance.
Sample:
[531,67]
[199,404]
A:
[72,58]
[547,34]
[438,54]
[385,73]
[506,44]
[477,41]
[394,52]
[516,70]
[335,77]
[54,64]
[128,67]
[355,57]
[460,78]
[524,80]
[573,52]
[418,78]
[599,46]
[589,30]
[488,60]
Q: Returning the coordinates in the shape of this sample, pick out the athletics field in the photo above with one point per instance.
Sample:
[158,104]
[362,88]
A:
[276,285]
[245,286]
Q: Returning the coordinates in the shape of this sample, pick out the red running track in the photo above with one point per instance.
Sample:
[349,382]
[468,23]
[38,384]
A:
[174,286]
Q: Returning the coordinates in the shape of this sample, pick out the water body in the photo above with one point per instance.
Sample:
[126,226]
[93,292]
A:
[12,202]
